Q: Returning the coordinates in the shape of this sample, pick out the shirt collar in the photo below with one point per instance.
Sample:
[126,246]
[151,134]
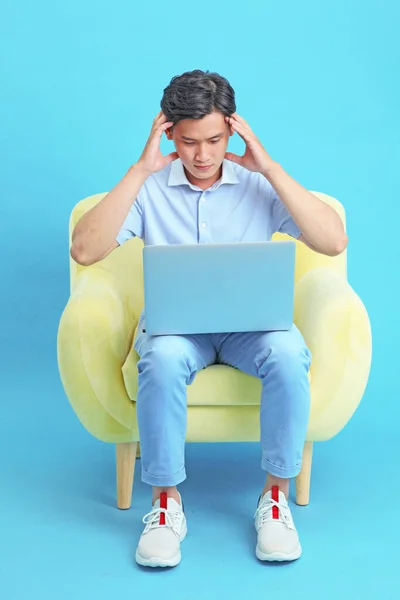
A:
[177,175]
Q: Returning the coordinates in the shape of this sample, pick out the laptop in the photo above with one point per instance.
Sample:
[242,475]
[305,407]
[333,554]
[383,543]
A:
[219,287]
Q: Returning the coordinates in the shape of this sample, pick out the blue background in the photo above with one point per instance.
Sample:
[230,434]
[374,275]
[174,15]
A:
[81,84]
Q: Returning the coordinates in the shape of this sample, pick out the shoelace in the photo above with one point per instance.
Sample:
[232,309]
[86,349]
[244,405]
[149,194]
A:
[152,519]
[263,513]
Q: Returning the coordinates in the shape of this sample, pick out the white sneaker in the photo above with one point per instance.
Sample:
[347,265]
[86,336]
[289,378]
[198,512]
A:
[277,537]
[159,544]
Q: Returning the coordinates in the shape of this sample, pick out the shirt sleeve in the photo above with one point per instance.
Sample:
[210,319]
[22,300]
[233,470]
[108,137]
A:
[133,224]
[282,221]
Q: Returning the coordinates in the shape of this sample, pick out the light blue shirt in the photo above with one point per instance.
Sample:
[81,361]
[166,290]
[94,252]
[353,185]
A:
[242,206]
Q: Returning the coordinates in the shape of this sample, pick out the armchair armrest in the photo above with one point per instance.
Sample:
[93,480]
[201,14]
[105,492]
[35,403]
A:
[336,328]
[94,337]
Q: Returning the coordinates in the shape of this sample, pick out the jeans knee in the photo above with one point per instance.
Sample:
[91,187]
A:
[165,359]
[287,357]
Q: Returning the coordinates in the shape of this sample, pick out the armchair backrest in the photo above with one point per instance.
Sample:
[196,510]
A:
[126,262]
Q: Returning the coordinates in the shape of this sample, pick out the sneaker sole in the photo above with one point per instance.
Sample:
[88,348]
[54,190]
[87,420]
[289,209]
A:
[158,562]
[278,556]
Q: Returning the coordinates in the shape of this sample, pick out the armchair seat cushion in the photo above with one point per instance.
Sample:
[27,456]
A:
[216,385]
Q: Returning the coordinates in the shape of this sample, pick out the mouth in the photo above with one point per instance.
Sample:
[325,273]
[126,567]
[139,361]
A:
[203,168]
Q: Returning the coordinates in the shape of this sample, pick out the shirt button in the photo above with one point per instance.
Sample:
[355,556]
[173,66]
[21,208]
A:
[202,199]
[204,225]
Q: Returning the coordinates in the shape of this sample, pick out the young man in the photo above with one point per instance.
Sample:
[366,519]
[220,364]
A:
[201,194]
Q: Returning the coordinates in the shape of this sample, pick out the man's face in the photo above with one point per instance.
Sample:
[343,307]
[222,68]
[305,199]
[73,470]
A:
[201,142]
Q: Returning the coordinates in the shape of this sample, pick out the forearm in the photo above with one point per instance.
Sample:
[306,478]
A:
[96,231]
[319,223]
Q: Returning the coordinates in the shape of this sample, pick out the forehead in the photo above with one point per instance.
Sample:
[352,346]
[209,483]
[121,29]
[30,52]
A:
[201,128]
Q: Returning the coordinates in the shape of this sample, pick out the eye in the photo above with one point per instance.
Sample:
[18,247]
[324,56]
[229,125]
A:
[192,143]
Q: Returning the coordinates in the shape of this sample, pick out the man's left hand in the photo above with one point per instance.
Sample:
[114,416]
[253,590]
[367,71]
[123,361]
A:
[255,157]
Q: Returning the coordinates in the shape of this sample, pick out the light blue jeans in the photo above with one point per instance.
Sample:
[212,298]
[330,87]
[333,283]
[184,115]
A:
[169,363]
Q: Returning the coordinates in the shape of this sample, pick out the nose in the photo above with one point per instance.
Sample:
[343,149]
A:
[201,154]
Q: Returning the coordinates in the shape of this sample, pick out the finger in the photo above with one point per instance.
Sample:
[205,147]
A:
[228,122]
[241,122]
[165,126]
[171,157]
[160,118]
[234,157]
[160,128]
[238,118]
[241,130]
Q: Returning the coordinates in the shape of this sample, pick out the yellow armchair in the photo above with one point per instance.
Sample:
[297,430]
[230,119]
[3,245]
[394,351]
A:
[97,361]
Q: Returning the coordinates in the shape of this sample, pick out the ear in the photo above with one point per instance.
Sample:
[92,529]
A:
[231,130]
[168,133]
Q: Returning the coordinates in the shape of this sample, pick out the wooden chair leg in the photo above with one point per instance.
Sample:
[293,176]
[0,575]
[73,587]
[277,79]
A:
[303,479]
[126,457]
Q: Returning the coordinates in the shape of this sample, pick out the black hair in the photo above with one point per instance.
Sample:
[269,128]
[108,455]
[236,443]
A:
[196,94]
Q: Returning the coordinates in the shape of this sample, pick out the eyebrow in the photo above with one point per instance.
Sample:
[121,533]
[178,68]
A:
[184,137]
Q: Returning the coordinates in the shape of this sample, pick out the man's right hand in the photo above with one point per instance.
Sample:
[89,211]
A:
[152,159]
